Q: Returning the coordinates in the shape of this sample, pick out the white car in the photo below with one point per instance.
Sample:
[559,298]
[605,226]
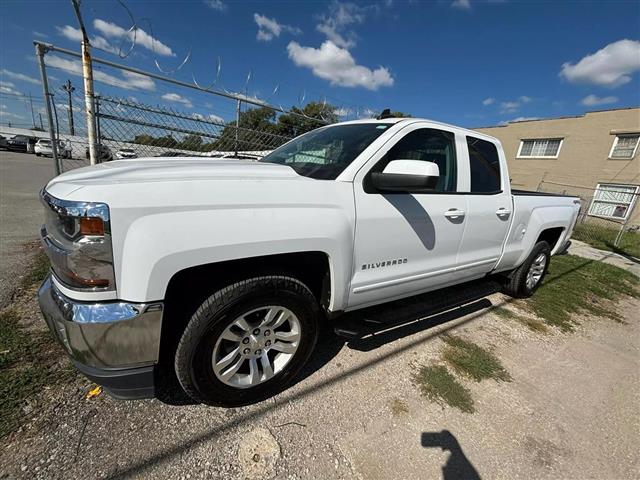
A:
[124,153]
[43,147]
[226,269]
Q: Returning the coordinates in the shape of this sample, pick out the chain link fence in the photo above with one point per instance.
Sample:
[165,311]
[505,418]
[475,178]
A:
[176,118]
[130,129]
[608,219]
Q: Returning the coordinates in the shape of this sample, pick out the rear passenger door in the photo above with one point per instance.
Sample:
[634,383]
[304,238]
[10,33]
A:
[489,208]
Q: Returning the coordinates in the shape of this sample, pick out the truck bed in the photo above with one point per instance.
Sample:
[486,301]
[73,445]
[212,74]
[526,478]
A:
[539,194]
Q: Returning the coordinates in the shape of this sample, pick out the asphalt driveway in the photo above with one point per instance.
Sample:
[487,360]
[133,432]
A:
[21,178]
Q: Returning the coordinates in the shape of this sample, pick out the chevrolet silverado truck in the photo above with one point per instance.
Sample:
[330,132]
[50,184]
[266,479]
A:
[225,269]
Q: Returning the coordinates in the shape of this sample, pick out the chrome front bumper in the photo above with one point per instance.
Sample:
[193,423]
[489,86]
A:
[108,339]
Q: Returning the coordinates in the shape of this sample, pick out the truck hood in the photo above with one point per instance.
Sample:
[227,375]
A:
[171,169]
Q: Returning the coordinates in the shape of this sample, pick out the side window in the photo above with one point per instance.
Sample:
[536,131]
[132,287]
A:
[485,166]
[430,145]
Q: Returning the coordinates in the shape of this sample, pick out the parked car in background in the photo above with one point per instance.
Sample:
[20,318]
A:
[124,153]
[43,147]
[3,143]
[226,269]
[104,153]
[22,143]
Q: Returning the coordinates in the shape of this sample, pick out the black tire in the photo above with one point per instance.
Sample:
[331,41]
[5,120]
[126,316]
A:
[193,359]
[516,285]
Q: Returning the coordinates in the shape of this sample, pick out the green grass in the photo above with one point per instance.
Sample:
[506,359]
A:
[37,271]
[28,362]
[576,285]
[28,359]
[531,323]
[439,385]
[603,238]
[471,360]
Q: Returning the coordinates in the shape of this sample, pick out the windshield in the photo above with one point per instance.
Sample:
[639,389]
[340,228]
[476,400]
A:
[324,153]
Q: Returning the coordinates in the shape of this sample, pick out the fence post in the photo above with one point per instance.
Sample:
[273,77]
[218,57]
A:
[40,51]
[237,125]
[87,76]
[616,242]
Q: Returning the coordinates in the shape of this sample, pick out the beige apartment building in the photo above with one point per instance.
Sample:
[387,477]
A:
[595,155]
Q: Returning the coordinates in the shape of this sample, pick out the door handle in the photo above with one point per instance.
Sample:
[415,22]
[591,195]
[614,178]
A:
[503,212]
[454,213]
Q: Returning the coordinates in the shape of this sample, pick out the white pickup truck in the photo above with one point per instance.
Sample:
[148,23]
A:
[227,267]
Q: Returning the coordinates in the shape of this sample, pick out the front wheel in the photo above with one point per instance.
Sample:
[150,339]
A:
[526,279]
[247,341]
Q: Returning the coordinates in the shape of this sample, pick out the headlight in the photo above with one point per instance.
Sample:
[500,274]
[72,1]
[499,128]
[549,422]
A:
[77,239]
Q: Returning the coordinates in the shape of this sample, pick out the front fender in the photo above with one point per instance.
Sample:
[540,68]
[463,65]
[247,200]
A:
[159,245]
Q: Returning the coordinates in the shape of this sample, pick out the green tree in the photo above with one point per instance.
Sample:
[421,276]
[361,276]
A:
[257,131]
[191,142]
[294,124]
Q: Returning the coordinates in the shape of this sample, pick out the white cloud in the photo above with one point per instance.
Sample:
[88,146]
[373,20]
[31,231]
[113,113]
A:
[215,118]
[209,117]
[368,113]
[488,101]
[268,28]
[593,100]
[461,4]
[111,30]
[218,5]
[8,87]
[509,107]
[141,82]
[336,64]
[131,81]
[174,97]
[40,34]
[341,15]
[513,106]
[97,41]
[19,76]
[343,112]
[611,66]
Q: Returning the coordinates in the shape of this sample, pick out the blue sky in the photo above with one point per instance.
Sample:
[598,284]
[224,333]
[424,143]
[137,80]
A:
[466,62]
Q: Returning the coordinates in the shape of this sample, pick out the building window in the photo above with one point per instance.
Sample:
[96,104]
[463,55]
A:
[613,201]
[624,146]
[540,148]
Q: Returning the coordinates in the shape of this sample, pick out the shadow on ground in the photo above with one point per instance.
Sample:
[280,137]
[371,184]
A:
[458,466]
[328,347]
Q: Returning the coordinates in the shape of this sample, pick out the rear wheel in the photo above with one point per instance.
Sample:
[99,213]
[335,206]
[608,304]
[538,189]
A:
[247,341]
[526,279]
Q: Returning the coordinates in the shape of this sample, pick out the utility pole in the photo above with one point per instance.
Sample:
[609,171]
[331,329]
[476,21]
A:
[87,75]
[41,124]
[67,87]
[33,119]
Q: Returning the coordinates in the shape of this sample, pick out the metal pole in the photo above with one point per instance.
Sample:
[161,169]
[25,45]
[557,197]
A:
[87,75]
[67,87]
[41,124]
[40,51]
[33,118]
[237,125]
[98,130]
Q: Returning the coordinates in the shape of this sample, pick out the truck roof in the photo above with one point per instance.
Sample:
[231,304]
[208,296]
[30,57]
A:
[395,120]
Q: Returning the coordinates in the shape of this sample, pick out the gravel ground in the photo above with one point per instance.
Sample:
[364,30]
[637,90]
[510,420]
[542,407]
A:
[571,411]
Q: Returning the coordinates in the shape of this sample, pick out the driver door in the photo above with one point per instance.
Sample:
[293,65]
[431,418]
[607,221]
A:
[407,243]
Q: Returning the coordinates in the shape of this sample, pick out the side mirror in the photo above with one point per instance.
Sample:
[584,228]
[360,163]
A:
[408,176]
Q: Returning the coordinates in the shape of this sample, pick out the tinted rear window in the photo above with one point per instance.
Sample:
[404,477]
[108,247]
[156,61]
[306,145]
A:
[485,166]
